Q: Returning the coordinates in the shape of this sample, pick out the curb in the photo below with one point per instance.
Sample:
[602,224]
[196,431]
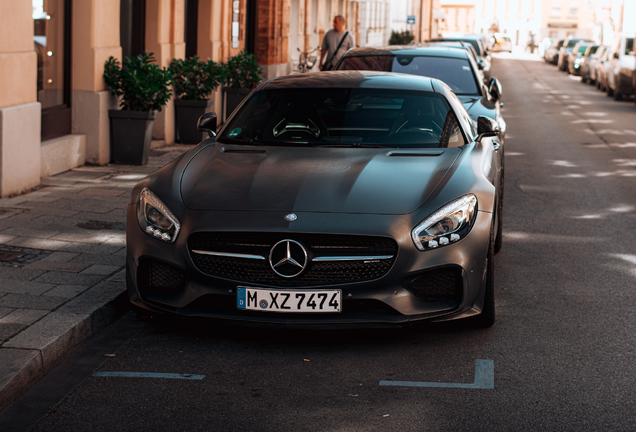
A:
[29,356]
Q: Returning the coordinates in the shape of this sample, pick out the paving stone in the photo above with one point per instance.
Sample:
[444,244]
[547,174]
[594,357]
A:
[61,256]
[8,330]
[64,278]
[93,248]
[66,291]
[23,316]
[18,370]
[27,232]
[27,301]
[19,274]
[96,236]
[55,335]
[57,266]
[103,270]
[5,311]
[118,277]
[90,258]
[34,243]
[104,191]
[4,238]
[15,286]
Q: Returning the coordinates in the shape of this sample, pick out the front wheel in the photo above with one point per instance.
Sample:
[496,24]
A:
[487,316]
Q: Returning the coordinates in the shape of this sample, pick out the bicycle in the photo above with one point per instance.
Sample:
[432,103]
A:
[306,60]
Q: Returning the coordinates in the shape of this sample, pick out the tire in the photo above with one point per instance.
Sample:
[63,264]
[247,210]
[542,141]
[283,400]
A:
[618,96]
[610,91]
[487,316]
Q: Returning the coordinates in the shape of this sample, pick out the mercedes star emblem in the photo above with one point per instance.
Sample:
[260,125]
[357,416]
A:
[288,258]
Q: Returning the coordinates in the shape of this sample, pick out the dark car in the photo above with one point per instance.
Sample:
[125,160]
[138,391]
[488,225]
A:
[454,44]
[326,199]
[601,71]
[484,60]
[564,53]
[453,66]
[552,53]
[576,60]
[592,63]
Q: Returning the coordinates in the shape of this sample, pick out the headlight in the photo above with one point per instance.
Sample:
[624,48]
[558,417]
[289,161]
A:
[155,218]
[447,225]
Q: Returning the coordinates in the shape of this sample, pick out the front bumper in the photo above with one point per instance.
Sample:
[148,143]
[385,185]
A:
[395,298]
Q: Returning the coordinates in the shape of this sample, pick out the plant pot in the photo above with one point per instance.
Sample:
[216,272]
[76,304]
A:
[233,98]
[187,113]
[130,136]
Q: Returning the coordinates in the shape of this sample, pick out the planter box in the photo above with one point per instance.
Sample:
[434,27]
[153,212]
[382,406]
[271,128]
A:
[187,113]
[232,98]
[130,136]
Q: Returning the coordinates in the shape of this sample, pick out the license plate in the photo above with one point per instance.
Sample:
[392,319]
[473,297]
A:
[292,301]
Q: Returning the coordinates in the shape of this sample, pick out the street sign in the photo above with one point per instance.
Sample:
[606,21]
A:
[410,19]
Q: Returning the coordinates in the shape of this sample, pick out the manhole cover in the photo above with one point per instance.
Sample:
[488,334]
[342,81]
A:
[9,255]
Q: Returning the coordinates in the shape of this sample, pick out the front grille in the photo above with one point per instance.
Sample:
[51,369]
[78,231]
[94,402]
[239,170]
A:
[439,284]
[157,277]
[317,272]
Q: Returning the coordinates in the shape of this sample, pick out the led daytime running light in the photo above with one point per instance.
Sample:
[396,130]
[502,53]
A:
[462,211]
[148,202]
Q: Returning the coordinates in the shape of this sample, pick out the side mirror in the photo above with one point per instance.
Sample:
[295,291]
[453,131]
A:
[207,123]
[494,88]
[480,64]
[486,127]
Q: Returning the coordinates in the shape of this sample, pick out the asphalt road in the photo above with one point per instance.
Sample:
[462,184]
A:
[562,348]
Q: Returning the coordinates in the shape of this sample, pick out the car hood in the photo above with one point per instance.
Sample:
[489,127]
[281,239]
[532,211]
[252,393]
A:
[317,179]
[479,106]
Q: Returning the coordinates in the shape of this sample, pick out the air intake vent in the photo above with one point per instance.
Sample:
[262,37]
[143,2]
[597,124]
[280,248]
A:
[398,154]
[224,150]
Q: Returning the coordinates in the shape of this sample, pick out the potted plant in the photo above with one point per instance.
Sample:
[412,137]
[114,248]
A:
[193,80]
[242,75]
[144,89]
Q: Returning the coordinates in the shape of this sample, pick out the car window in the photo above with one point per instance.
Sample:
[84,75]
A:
[346,117]
[456,73]
[581,49]
[629,46]
[593,50]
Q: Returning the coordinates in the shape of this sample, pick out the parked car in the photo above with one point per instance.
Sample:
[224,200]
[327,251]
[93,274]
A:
[484,60]
[564,53]
[601,71]
[502,43]
[453,66]
[621,67]
[458,44]
[543,46]
[552,53]
[592,64]
[577,57]
[328,199]
[484,39]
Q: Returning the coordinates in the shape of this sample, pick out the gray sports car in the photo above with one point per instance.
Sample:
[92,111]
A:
[327,199]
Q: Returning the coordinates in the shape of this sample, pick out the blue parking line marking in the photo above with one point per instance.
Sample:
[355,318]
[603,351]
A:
[484,379]
[149,375]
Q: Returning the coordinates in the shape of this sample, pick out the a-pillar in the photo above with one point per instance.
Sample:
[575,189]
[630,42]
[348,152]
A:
[95,38]
[164,37]
[20,113]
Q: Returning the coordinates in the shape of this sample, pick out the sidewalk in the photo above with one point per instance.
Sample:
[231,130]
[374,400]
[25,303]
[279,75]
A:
[62,257]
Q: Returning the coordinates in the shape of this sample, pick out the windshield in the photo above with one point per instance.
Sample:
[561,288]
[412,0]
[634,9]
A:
[581,49]
[345,117]
[593,50]
[455,72]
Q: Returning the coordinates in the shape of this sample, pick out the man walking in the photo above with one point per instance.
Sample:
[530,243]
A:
[335,43]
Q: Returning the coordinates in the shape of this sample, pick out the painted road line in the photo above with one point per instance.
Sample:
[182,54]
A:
[484,379]
[148,375]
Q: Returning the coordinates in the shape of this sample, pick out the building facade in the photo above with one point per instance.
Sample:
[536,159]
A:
[54,102]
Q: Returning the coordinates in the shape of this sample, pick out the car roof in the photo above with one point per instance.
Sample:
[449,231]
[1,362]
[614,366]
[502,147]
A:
[356,79]
[427,51]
